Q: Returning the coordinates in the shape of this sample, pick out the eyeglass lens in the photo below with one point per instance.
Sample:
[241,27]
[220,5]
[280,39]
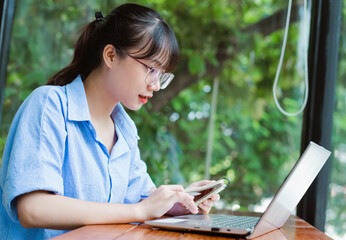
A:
[165,80]
[157,75]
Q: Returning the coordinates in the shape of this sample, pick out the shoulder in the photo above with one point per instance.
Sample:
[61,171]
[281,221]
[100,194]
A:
[48,93]
[44,100]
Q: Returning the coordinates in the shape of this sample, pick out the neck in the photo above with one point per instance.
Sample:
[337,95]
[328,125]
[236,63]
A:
[100,103]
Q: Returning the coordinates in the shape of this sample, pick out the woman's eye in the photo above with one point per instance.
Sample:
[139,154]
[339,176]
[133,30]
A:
[152,70]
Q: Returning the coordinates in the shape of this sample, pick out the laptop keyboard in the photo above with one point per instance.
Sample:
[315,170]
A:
[227,221]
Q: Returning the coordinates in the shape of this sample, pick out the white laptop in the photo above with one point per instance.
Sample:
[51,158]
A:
[275,216]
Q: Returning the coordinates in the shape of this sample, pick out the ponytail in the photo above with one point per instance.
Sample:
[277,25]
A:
[80,63]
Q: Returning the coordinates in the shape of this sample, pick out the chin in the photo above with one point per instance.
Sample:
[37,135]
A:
[133,107]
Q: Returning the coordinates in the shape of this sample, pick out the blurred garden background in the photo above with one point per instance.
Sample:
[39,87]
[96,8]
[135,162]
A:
[229,56]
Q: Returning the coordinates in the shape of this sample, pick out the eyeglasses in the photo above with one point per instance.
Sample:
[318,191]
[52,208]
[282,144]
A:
[153,74]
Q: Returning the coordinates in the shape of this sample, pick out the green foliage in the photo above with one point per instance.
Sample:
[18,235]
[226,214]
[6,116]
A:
[336,202]
[254,145]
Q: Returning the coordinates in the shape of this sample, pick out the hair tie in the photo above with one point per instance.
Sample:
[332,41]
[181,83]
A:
[99,16]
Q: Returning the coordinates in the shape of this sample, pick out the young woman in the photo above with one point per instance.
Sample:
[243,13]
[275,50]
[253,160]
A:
[71,156]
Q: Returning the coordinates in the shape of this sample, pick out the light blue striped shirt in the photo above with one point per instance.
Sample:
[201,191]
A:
[53,146]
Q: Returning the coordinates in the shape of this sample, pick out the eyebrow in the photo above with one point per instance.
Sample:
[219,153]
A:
[154,63]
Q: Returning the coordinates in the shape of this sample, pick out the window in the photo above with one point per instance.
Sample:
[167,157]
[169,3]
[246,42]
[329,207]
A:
[229,50]
[336,214]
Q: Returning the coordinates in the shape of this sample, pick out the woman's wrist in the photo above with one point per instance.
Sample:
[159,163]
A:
[139,211]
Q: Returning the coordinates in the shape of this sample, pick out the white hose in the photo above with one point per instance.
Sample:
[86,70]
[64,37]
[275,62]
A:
[281,60]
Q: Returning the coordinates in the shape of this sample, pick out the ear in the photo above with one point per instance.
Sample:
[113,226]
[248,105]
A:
[109,55]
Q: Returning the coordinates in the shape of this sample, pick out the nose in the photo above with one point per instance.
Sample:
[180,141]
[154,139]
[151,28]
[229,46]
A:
[155,87]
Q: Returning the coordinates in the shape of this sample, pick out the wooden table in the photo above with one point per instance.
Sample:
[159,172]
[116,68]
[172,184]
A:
[295,228]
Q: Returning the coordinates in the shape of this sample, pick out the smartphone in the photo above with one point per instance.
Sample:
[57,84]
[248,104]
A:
[206,191]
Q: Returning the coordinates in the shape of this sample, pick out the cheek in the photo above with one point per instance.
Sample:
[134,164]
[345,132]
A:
[125,89]
[125,82]
[129,77]
[119,80]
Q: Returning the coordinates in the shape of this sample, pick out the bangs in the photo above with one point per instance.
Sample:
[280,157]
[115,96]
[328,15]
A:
[160,46]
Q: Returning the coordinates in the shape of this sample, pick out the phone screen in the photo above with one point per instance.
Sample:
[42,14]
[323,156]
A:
[206,194]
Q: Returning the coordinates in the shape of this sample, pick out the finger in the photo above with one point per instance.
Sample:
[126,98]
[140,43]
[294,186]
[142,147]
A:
[191,206]
[208,203]
[202,182]
[204,208]
[172,187]
[215,197]
[187,201]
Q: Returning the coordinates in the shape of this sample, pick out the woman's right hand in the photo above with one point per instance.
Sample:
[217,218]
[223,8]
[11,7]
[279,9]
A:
[164,198]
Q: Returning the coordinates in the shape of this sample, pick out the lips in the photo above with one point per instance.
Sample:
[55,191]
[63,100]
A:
[143,99]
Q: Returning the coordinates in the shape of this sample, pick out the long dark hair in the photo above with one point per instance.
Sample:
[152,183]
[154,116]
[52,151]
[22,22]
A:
[129,26]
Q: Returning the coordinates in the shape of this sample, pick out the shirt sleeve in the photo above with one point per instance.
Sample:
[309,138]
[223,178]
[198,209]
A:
[34,150]
[140,182]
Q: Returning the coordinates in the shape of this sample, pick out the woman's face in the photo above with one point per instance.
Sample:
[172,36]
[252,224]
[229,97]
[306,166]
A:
[126,82]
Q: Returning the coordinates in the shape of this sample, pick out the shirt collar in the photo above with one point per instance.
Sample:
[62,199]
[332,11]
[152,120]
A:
[125,124]
[77,107]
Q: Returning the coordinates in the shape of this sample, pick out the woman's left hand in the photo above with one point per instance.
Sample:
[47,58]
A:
[204,207]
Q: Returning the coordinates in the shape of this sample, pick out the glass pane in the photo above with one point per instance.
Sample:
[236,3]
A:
[336,209]
[254,145]
[236,42]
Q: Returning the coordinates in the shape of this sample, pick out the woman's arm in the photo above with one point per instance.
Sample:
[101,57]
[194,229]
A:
[41,209]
